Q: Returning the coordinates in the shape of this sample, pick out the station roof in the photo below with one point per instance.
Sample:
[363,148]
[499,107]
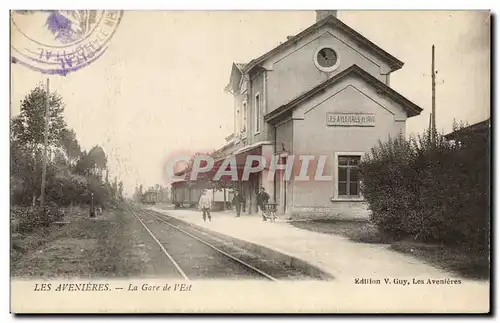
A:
[336,23]
[478,127]
[411,108]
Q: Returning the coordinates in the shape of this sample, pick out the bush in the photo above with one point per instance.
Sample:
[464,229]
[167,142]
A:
[25,219]
[52,213]
[430,190]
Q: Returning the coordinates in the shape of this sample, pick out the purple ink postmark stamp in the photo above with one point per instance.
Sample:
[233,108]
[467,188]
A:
[61,41]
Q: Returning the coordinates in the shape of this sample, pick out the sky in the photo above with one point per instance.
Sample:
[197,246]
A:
[158,89]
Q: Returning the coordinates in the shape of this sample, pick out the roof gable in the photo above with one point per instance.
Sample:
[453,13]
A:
[332,21]
[411,108]
[235,77]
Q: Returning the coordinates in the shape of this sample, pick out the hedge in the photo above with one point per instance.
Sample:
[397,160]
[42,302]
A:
[432,190]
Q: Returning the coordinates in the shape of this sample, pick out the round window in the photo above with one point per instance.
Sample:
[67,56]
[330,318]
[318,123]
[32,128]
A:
[326,58]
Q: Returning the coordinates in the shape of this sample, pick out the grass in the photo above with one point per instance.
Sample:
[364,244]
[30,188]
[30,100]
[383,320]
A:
[467,263]
[359,231]
[98,247]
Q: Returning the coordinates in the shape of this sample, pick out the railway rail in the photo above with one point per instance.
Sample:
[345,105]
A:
[181,246]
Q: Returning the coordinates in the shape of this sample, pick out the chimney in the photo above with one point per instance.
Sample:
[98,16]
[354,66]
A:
[289,37]
[322,14]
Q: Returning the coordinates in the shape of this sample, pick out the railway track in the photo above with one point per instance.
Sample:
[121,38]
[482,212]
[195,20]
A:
[193,256]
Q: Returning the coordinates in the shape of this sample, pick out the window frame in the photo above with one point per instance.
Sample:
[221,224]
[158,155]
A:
[257,113]
[239,123]
[244,123]
[336,196]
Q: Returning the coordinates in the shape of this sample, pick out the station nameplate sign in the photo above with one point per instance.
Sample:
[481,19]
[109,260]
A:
[350,119]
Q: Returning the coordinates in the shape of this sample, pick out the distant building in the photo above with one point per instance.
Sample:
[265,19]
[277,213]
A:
[150,197]
[325,91]
[482,127]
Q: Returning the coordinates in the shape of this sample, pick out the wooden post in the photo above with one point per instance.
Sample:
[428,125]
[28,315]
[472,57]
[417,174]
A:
[433,115]
[224,188]
[92,210]
[45,144]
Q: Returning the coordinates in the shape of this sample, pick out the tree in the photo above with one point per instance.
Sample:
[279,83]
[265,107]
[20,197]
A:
[29,125]
[72,175]
[114,187]
[28,132]
[99,156]
[98,159]
[135,197]
[120,190]
[84,165]
[70,145]
[92,163]
[24,179]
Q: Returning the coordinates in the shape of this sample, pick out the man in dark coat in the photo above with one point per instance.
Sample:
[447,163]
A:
[262,200]
[238,202]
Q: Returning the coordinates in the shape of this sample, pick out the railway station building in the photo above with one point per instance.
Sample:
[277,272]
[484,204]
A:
[323,92]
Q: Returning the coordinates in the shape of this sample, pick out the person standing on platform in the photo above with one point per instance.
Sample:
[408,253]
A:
[262,200]
[205,204]
[238,202]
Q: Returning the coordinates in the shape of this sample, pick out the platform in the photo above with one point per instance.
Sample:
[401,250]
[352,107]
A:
[338,256]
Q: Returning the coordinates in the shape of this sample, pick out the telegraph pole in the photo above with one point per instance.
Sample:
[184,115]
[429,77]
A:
[433,94]
[45,144]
